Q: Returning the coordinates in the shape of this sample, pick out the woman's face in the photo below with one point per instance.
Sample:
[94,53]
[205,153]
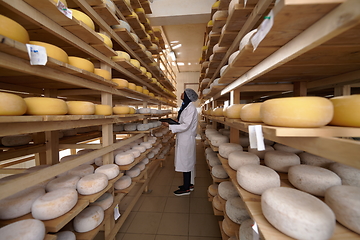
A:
[182,96]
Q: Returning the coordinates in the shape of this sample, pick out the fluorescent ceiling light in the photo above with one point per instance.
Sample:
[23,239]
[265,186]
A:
[189,64]
[181,63]
[177,46]
[172,55]
[174,41]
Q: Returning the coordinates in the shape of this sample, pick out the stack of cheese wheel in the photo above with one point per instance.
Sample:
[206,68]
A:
[235,214]
[101,109]
[83,18]
[11,104]
[226,190]
[110,170]
[123,182]
[80,108]
[88,219]
[348,175]
[92,183]
[45,106]
[120,110]
[261,154]
[251,112]
[53,51]
[81,63]
[11,29]
[105,201]
[103,73]
[29,229]
[281,161]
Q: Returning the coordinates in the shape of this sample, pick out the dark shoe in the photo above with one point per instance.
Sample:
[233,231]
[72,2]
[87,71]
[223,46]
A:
[181,192]
[191,187]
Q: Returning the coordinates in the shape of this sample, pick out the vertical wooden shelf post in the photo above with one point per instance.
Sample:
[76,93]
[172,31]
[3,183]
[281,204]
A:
[235,133]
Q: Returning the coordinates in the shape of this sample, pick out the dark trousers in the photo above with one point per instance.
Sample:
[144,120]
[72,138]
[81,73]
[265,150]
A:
[187,179]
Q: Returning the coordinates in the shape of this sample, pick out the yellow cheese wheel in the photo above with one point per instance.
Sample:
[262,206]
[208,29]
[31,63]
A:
[81,63]
[128,2]
[121,83]
[210,23]
[132,86]
[53,51]
[153,80]
[83,18]
[157,30]
[81,108]
[142,46]
[133,14]
[139,88]
[103,73]
[121,110]
[106,40]
[216,4]
[224,110]
[251,112]
[132,110]
[154,47]
[101,109]
[11,104]
[145,91]
[346,111]
[234,110]
[218,112]
[297,112]
[151,94]
[121,56]
[11,29]
[143,70]
[45,106]
[135,37]
[148,74]
[139,10]
[135,62]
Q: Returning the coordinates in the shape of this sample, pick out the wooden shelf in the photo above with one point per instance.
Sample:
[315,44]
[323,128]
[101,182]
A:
[123,7]
[105,12]
[146,6]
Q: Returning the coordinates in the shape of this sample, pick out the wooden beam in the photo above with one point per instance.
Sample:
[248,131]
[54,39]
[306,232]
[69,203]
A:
[267,88]
[342,90]
[300,89]
[346,78]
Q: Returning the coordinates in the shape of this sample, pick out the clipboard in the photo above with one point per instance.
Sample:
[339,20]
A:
[169,121]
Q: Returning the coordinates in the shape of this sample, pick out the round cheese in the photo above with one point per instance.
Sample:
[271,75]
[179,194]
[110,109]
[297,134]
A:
[246,231]
[344,201]
[121,56]
[81,63]
[145,110]
[261,154]
[132,110]
[99,161]
[132,86]
[135,62]
[219,139]
[346,111]
[130,127]
[82,170]
[16,140]
[83,18]
[124,158]
[54,204]
[92,183]
[103,73]
[139,88]
[29,229]
[218,112]
[236,210]
[141,166]
[257,178]
[123,182]
[68,158]
[311,159]
[226,228]
[226,148]
[53,51]
[217,203]
[122,24]
[145,91]
[105,201]
[227,190]
[45,106]
[219,172]
[251,112]
[19,204]
[213,189]
[118,127]
[246,40]
[133,172]
[88,219]
[145,161]
[210,23]
[65,235]
[240,158]
[233,56]
[282,147]
[297,112]
[220,14]
[11,104]
[147,145]
[140,148]
[233,111]
[67,181]
[348,175]
[120,110]
[214,160]
[135,37]
[283,206]
[281,161]
[312,179]
[110,170]
[80,108]
[11,29]
[101,109]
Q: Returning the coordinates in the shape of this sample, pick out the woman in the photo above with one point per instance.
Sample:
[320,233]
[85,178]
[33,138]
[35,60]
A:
[185,149]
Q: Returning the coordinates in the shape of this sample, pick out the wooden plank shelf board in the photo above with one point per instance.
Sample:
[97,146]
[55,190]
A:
[125,35]
[50,237]
[227,38]
[232,73]
[224,4]
[218,24]
[134,22]
[219,180]
[107,14]
[123,7]
[142,17]
[237,18]
[85,33]
[146,6]
[140,32]
[217,212]
[104,49]
[126,190]
[135,3]
[147,42]
[128,66]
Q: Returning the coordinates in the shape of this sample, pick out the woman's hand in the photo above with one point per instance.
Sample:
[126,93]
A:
[165,124]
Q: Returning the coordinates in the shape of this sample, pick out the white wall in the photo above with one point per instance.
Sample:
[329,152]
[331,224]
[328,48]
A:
[186,77]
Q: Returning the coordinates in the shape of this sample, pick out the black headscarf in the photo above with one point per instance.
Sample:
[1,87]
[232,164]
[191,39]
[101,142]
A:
[184,104]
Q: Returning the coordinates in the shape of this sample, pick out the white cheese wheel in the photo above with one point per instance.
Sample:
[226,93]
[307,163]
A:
[219,139]
[103,73]
[246,40]
[257,178]
[110,170]
[246,231]
[88,219]
[68,158]
[214,160]
[261,154]
[83,151]
[297,112]
[145,161]
[19,204]
[11,104]
[311,159]
[92,183]
[236,210]
[141,166]
[124,158]
[65,235]
[119,110]
[281,161]
[99,161]
[227,190]
[217,203]
[226,148]
[82,170]
[54,204]
[233,56]
[140,148]
[67,181]
[80,108]
[213,189]
[282,207]
[220,14]
[346,111]
[29,229]
[240,158]
[133,172]
[216,48]
[16,140]
[348,175]
[130,127]
[282,147]
[105,201]
[251,112]
[147,145]
[122,24]
[344,201]
[136,153]
[150,155]
[101,109]
[234,110]
[123,182]
[142,127]
[118,127]
[312,179]
[45,106]
[81,63]
[83,18]
[53,51]
[13,30]
[219,172]
[144,110]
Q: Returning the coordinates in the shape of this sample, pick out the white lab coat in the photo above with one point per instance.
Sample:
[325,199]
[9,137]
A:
[185,148]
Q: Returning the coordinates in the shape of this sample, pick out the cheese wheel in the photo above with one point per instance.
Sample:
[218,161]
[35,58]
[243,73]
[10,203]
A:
[132,86]
[88,219]
[147,145]
[110,170]
[53,51]
[19,204]
[119,110]
[103,73]
[281,161]
[145,91]
[214,160]
[132,110]
[239,158]
[218,112]
[257,178]
[139,88]
[216,4]
[101,109]
[261,154]
[121,83]
[246,231]
[11,104]
[81,63]
[11,29]
[282,147]
[118,127]
[136,153]
[346,111]
[45,106]
[67,181]
[219,14]
[213,189]
[92,183]
[29,229]
[344,201]
[80,16]
[130,127]
[297,112]
[105,201]
[135,37]
[121,56]
[124,158]
[65,235]
[219,172]
[135,62]
[226,148]
[140,148]
[80,108]
[123,182]
[217,203]
[151,94]
[234,110]
[145,161]
[246,40]
[16,140]
[145,110]
[281,207]
[210,23]
[348,175]
[133,172]
[54,204]
[122,24]
[226,228]
[312,179]
[233,56]
[251,112]
[141,166]
[227,190]
[311,159]
[219,139]
[236,210]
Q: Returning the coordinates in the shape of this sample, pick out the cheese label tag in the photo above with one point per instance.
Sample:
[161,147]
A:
[62,8]
[37,54]
[256,137]
[116,212]
[263,30]
[255,231]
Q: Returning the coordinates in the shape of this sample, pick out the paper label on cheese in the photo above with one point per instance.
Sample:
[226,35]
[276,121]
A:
[62,8]
[116,212]
[37,54]
[256,137]
[263,30]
